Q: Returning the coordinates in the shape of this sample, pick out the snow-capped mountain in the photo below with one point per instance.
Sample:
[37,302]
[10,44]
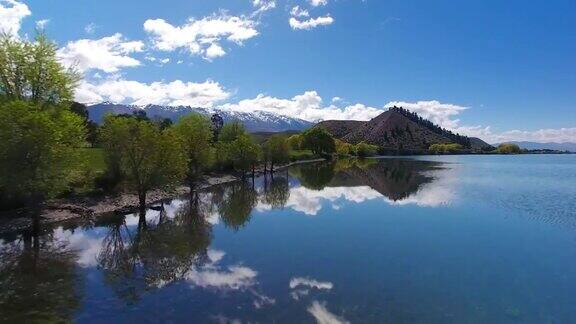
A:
[256,121]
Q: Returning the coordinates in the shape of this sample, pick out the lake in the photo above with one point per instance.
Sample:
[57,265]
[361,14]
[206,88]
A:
[431,239]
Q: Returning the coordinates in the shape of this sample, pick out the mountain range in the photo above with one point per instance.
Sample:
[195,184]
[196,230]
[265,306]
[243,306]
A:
[256,121]
[399,129]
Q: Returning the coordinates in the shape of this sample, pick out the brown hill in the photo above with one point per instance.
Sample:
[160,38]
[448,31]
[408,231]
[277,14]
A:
[340,128]
[397,129]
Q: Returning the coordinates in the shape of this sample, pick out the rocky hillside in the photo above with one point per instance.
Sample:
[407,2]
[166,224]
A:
[256,121]
[396,129]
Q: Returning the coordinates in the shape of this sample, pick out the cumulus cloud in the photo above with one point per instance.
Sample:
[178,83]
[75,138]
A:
[323,316]
[108,54]
[201,37]
[11,14]
[308,106]
[311,23]
[175,93]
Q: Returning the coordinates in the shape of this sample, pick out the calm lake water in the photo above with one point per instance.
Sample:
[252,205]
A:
[451,239]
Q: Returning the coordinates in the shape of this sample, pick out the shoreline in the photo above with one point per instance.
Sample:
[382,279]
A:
[89,208]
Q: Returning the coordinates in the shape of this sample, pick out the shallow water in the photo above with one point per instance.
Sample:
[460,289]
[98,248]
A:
[429,239]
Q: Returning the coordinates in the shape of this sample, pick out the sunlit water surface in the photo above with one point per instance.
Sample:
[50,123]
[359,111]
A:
[431,239]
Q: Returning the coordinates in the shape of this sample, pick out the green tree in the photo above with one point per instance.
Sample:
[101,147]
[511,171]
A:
[295,142]
[30,70]
[195,133]
[223,148]
[37,149]
[508,149]
[343,148]
[319,141]
[91,127]
[277,150]
[244,153]
[363,149]
[231,131]
[147,158]
[445,148]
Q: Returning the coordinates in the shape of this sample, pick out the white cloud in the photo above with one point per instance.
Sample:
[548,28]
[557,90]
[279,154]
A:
[310,23]
[263,6]
[212,275]
[108,54]
[307,106]
[312,283]
[558,135]
[323,315]
[445,115]
[433,110]
[316,3]
[11,14]
[201,36]
[87,247]
[235,277]
[174,93]
[299,12]
[41,24]
[214,51]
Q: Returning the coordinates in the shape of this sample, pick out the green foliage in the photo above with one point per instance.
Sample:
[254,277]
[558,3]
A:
[231,131]
[146,157]
[30,70]
[277,149]
[445,148]
[37,148]
[363,149]
[91,127]
[508,149]
[195,134]
[244,153]
[343,148]
[295,142]
[236,148]
[301,155]
[319,141]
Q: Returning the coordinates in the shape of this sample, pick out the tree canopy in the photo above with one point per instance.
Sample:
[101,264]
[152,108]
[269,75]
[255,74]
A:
[37,148]
[319,141]
[29,70]
[195,133]
[147,157]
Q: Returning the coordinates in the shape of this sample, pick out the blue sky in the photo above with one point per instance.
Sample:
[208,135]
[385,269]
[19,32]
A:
[502,70]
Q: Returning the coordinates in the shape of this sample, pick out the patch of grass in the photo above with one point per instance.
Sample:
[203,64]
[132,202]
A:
[299,155]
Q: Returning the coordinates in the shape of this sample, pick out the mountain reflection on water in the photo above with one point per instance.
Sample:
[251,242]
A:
[387,240]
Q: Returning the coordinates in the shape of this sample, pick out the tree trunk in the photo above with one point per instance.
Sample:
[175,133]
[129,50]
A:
[142,202]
